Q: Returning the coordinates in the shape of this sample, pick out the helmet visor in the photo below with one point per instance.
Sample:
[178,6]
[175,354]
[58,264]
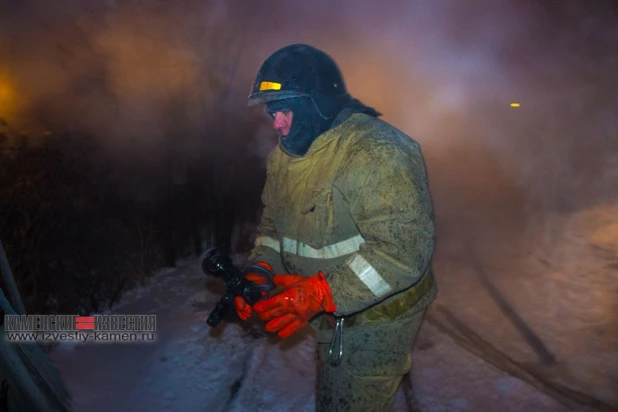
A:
[270,95]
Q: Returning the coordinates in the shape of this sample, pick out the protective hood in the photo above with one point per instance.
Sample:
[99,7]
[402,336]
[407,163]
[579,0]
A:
[308,122]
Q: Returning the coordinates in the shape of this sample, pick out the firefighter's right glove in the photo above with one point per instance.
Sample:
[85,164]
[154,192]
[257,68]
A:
[291,309]
[243,309]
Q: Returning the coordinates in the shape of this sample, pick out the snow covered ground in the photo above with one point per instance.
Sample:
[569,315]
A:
[567,294]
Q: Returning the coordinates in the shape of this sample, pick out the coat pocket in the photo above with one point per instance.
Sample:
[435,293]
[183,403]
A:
[317,217]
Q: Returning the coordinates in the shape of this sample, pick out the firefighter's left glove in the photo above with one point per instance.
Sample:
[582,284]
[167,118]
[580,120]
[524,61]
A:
[291,309]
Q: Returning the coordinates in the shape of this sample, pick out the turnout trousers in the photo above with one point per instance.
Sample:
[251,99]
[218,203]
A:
[375,359]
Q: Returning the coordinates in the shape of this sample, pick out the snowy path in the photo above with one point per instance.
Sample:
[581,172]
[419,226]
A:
[187,369]
[190,368]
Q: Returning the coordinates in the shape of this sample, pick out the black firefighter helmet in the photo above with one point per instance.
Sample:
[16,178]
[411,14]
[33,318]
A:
[300,70]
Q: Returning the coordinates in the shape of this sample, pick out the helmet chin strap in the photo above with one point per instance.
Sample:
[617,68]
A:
[338,103]
[317,109]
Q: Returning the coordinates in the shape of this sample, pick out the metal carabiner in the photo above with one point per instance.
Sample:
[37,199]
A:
[337,336]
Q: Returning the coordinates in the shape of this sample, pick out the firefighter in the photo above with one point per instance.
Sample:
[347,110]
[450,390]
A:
[348,226]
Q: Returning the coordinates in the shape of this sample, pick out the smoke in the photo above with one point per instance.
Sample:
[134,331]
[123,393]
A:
[159,78]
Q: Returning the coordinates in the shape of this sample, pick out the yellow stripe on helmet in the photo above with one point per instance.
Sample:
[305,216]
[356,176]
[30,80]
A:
[270,86]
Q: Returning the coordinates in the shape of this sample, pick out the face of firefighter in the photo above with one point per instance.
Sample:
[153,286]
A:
[282,122]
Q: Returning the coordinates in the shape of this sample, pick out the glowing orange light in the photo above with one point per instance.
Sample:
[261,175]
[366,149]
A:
[514,104]
[5,92]
[7,99]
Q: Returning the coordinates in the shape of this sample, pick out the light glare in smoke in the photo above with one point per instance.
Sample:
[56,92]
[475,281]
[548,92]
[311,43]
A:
[130,72]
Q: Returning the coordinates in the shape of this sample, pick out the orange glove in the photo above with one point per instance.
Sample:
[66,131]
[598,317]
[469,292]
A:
[243,309]
[290,310]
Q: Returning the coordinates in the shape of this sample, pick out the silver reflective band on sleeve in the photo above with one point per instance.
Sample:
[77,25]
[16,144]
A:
[268,242]
[289,245]
[368,275]
[345,247]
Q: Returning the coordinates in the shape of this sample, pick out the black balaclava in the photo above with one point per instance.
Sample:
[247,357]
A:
[307,123]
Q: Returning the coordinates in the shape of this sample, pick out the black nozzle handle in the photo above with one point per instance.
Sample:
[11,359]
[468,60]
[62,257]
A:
[220,310]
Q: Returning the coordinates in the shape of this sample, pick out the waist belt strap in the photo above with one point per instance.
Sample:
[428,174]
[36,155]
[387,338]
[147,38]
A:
[401,303]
